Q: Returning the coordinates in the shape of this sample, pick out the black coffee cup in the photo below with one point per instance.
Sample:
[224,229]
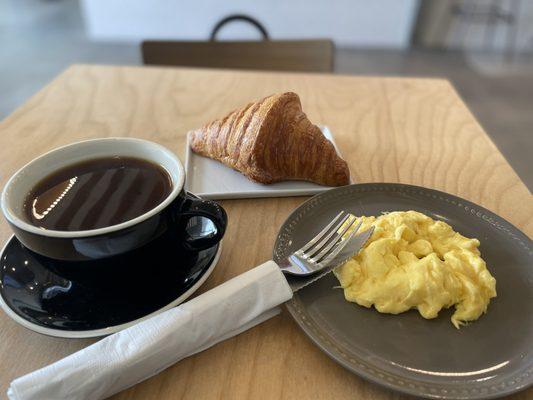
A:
[173,212]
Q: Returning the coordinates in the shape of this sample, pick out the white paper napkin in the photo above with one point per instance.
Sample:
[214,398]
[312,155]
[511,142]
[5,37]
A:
[141,351]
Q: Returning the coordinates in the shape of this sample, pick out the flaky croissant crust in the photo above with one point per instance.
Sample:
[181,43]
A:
[272,140]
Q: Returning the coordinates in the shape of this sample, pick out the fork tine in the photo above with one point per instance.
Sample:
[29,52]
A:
[322,232]
[315,247]
[302,264]
[366,235]
[324,252]
[327,241]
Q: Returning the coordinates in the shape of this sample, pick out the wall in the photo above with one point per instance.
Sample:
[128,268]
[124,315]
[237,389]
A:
[350,23]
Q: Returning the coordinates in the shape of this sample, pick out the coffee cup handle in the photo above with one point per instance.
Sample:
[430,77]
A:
[194,207]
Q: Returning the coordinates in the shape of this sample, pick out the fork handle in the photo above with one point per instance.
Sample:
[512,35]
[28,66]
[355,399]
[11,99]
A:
[136,353]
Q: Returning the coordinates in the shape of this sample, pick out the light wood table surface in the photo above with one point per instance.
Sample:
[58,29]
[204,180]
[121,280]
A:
[415,131]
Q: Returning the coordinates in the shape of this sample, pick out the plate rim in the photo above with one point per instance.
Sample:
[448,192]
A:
[93,333]
[401,384]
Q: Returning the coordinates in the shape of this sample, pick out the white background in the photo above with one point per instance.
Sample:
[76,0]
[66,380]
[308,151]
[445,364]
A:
[350,23]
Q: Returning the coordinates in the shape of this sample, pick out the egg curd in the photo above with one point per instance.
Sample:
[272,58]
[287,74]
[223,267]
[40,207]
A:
[413,261]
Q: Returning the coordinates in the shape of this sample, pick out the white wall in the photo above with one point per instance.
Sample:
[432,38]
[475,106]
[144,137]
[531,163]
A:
[357,23]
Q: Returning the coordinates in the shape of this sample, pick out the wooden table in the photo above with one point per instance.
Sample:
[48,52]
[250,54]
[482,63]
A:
[415,131]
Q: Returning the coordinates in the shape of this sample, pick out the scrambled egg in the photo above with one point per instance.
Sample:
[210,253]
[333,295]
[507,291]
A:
[412,261]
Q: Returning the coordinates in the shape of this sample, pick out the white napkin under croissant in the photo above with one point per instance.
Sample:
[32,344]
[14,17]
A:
[125,358]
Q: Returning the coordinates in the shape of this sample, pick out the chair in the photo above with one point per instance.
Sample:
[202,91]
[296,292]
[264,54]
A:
[276,55]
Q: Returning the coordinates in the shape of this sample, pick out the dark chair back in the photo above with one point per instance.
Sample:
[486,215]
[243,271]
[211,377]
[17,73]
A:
[290,55]
[277,55]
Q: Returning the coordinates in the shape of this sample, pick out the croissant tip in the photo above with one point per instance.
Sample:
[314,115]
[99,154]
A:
[343,172]
[195,140]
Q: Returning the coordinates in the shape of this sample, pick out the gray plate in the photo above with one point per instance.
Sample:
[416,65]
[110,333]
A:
[489,358]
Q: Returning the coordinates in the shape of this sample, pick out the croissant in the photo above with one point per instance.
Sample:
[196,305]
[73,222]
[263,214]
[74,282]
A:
[272,140]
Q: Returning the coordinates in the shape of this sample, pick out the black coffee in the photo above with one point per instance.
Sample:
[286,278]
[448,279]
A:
[97,193]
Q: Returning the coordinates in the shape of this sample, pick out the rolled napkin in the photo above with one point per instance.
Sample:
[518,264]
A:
[125,358]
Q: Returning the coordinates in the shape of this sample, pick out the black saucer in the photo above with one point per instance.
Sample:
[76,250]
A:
[129,287]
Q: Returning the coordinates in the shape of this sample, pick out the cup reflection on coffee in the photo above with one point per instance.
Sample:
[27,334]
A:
[104,197]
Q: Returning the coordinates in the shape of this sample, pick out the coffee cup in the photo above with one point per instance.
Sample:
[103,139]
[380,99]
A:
[173,212]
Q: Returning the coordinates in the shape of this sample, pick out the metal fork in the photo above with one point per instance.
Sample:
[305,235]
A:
[320,251]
